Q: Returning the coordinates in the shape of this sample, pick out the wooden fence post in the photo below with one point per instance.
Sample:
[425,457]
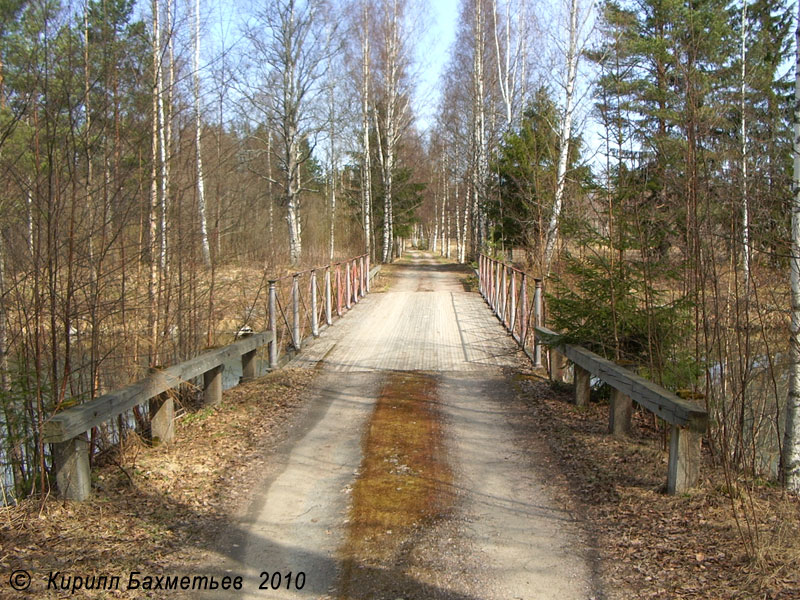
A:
[212,386]
[619,413]
[314,316]
[71,464]
[273,325]
[582,388]
[538,321]
[369,283]
[683,471]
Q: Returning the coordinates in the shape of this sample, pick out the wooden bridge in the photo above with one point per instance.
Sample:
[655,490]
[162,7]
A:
[409,476]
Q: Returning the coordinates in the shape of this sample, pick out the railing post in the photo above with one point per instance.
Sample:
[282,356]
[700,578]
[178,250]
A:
[512,320]
[504,303]
[296,312]
[347,283]
[538,321]
[581,383]
[364,276]
[71,464]
[369,283]
[249,365]
[356,281]
[339,289]
[523,313]
[619,413]
[212,386]
[314,317]
[273,325]
[683,471]
[328,319]
[497,285]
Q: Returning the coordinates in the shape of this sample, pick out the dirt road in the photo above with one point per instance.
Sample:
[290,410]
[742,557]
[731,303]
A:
[407,477]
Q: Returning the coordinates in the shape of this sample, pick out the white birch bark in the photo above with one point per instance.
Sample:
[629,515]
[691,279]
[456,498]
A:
[152,287]
[565,134]
[201,192]
[480,161]
[791,445]
[162,143]
[366,170]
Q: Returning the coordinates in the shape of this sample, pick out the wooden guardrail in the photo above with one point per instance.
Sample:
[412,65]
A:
[67,430]
[688,420]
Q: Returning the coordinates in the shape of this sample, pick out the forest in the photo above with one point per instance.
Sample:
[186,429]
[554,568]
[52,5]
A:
[159,164]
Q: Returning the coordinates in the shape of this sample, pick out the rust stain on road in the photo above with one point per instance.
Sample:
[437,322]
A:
[403,486]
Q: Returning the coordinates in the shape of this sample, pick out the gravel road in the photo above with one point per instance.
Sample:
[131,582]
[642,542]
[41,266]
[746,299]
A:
[406,478]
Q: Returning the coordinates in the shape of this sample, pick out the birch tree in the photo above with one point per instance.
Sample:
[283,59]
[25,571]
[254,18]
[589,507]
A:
[791,444]
[201,193]
[289,52]
[572,55]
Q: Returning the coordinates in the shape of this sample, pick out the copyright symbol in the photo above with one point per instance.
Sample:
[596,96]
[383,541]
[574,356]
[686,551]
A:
[20,580]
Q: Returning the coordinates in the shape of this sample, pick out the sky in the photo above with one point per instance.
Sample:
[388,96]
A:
[432,56]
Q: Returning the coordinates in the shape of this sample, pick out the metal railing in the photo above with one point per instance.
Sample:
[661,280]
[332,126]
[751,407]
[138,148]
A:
[299,305]
[507,290]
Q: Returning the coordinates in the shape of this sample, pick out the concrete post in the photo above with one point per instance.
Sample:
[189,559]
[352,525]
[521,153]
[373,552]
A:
[582,389]
[212,386]
[162,419]
[683,471]
[619,413]
[71,464]
[249,365]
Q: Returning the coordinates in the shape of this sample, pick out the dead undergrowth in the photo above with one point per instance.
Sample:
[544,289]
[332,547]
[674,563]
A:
[687,546]
[154,509]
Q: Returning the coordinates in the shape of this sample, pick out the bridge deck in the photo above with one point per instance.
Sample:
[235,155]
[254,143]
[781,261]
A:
[409,476]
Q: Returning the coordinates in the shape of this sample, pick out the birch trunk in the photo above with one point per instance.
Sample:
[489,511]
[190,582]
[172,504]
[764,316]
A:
[480,165]
[566,130]
[791,446]
[152,287]
[366,170]
[201,193]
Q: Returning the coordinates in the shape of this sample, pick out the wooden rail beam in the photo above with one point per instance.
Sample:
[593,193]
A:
[688,420]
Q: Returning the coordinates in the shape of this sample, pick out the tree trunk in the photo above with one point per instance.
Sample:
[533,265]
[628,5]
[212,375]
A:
[566,131]
[366,168]
[791,446]
[201,194]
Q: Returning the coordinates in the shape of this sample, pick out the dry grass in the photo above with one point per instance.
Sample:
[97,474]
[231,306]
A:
[688,546]
[155,509]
